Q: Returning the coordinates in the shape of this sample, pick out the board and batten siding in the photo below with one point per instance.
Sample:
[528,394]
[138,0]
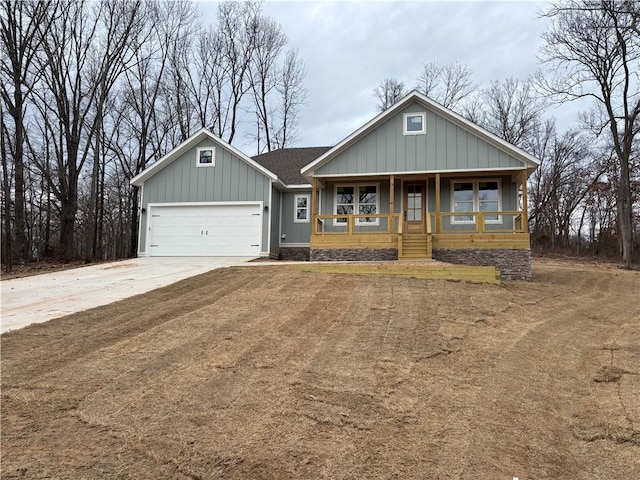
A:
[230,180]
[274,213]
[445,146]
[296,233]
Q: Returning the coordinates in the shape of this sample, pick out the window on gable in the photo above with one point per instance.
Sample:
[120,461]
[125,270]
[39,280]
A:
[475,196]
[301,209]
[206,157]
[357,199]
[415,123]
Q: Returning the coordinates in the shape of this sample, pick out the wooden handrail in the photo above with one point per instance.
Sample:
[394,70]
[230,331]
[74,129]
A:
[357,215]
[351,225]
[497,212]
[479,225]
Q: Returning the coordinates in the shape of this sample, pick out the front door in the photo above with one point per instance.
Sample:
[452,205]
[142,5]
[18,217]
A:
[414,206]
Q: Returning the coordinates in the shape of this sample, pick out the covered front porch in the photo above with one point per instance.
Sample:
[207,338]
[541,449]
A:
[411,216]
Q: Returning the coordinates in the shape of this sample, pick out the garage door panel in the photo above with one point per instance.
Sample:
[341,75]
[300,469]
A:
[207,230]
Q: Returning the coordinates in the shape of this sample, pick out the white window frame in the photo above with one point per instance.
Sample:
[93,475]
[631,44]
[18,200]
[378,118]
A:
[213,157]
[337,221]
[405,118]
[476,201]
[356,203]
[296,208]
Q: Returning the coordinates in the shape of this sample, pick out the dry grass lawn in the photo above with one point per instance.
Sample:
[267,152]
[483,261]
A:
[271,372]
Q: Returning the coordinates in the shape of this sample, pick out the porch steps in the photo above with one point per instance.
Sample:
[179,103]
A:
[415,247]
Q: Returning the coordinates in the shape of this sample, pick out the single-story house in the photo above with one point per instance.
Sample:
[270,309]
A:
[418,181]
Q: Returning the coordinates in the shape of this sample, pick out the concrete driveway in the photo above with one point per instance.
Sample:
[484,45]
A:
[44,297]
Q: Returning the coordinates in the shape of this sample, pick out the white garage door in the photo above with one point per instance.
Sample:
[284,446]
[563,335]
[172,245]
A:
[205,231]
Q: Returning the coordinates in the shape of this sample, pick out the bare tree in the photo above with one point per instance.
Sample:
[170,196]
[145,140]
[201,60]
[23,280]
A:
[106,88]
[568,171]
[210,74]
[593,48]
[20,24]
[79,68]
[207,82]
[142,120]
[291,96]
[446,84]
[388,93]
[7,178]
[270,39]
[238,29]
[511,109]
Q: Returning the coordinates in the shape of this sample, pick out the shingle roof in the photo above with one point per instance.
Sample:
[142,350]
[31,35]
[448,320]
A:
[287,162]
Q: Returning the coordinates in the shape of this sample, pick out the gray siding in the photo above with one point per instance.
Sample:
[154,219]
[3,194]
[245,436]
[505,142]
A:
[295,232]
[274,211]
[445,146]
[230,180]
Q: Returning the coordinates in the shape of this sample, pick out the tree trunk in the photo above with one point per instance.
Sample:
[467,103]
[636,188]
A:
[99,253]
[20,247]
[47,229]
[92,211]
[625,214]
[67,226]
[69,203]
[7,247]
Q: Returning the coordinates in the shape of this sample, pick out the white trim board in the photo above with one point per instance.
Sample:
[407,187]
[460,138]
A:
[491,171]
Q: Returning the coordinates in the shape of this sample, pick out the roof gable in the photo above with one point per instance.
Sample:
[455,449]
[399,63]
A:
[386,144]
[190,143]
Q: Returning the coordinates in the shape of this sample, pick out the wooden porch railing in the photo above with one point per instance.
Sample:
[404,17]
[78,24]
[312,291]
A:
[477,223]
[352,226]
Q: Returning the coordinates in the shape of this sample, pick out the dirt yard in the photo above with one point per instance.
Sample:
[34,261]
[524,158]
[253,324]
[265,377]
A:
[269,372]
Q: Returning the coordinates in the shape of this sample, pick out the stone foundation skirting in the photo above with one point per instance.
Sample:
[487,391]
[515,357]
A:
[353,254]
[294,254]
[514,264]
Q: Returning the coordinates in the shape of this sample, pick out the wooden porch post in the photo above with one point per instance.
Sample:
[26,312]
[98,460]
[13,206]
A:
[392,208]
[314,211]
[438,218]
[525,208]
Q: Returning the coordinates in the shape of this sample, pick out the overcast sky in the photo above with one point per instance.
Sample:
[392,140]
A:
[350,47]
